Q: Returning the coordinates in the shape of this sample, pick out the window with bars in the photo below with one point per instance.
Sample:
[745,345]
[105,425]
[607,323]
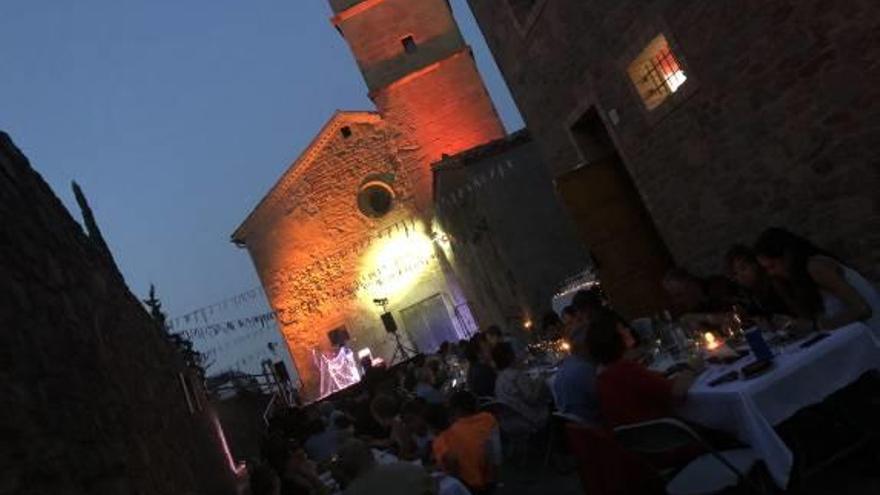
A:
[657,73]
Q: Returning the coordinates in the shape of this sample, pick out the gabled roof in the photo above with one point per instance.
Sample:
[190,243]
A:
[301,164]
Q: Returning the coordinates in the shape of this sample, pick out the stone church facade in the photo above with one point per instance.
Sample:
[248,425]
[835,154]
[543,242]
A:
[348,231]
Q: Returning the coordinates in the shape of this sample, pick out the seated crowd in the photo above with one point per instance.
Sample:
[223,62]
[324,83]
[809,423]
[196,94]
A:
[441,431]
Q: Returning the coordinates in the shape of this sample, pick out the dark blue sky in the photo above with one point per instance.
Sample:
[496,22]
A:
[176,117]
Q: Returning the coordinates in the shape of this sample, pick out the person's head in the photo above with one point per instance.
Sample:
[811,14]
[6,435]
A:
[742,267]
[569,315]
[503,356]
[412,413]
[437,417]
[425,375]
[316,426]
[785,257]
[343,424]
[443,349]
[550,323]
[284,455]
[265,481]
[586,302]
[578,341]
[354,459]
[462,403]
[605,339]
[685,290]
[472,351]
[384,409]
[784,254]
[493,334]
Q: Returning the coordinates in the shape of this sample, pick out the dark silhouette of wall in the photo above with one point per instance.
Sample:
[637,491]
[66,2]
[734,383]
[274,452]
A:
[91,396]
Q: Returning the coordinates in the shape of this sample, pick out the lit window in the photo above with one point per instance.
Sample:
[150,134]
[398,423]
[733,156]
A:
[656,73]
[409,44]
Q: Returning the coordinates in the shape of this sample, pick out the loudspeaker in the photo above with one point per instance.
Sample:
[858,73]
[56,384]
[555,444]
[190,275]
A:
[388,321]
[338,337]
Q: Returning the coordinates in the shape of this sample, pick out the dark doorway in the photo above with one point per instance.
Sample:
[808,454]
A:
[428,325]
[614,223]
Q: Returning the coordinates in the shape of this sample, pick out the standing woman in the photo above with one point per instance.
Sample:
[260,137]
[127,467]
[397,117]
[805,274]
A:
[824,293]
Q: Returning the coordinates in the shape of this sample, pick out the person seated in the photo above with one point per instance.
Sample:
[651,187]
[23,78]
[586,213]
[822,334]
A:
[425,386]
[569,320]
[514,388]
[322,441]
[264,481]
[699,302]
[409,379]
[480,373]
[759,296]
[823,292]
[400,440]
[575,383]
[413,416]
[586,302]
[551,326]
[298,474]
[494,335]
[628,392]
[359,472]
[469,449]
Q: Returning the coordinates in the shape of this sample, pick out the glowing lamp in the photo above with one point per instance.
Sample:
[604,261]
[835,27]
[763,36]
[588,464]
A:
[711,342]
[565,346]
[527,324]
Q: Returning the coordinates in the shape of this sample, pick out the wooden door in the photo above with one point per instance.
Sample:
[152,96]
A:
[613,222]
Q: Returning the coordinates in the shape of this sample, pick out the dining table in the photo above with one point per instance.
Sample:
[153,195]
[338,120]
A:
[802,372]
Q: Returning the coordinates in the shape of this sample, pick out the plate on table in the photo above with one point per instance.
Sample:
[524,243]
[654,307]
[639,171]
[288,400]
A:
[728,359]
[756,369]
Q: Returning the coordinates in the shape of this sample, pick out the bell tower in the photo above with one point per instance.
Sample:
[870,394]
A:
[423,79]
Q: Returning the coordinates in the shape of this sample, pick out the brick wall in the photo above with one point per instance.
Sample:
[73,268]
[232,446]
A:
[92,402]
[313,248]
[443,110]
[777,124]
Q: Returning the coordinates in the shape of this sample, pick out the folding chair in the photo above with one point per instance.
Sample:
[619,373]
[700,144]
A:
[708,473]
[605,467]
[515,429]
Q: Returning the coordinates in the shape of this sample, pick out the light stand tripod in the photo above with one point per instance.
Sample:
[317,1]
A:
[400,351]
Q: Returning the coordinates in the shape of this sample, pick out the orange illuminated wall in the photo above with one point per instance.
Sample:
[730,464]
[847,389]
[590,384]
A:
[433,98]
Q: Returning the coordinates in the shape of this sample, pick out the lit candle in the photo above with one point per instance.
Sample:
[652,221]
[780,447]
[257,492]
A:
[711,342]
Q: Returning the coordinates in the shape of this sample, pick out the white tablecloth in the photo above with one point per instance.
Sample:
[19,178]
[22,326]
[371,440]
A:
[749,409]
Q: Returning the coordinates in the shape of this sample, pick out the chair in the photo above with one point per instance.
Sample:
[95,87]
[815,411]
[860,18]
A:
[605,467]
[515,429]
[558,420]
[708,473]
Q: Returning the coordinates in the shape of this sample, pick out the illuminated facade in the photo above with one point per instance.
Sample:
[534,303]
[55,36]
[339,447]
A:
[351,221]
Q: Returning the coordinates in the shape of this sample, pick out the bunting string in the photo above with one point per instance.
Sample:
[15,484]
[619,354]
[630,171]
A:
[228,326]
[202,314]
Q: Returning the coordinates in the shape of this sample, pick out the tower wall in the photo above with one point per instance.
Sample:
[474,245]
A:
[432,97]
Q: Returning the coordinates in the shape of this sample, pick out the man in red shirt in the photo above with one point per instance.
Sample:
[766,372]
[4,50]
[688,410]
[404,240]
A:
[629,392]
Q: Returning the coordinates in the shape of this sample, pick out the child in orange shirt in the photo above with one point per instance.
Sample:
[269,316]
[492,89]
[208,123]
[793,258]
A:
[470,449]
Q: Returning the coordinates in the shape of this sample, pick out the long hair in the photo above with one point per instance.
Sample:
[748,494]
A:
[800,290]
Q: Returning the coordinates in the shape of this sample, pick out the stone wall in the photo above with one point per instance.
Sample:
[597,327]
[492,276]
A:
[511,243]
[777,123]
[322,261]
[92,401]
